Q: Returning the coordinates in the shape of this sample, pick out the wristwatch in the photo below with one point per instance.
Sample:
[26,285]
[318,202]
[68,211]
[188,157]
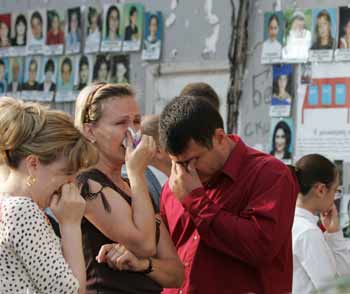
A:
[150,266]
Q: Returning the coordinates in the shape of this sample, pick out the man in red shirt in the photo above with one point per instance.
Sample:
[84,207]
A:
[229,208]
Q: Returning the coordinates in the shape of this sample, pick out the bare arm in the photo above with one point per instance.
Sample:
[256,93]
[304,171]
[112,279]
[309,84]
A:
[167,268]
[136,225]
[71,242]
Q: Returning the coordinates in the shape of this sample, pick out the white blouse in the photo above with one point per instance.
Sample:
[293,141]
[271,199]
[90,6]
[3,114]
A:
[31,258]
[317,257]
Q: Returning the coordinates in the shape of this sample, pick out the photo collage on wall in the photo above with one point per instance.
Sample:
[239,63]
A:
[48,55]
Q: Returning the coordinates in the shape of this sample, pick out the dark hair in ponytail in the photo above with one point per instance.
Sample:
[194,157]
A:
[312,169]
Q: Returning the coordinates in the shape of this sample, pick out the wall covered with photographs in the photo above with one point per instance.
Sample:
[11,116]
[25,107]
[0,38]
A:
[317,41]
[304,59]
[51,54]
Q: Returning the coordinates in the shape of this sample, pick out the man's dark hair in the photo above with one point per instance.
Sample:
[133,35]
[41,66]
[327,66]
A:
[133,10]
[50,65]
[33,61]
[68,62]
[37,15]
[186,118]
[202,90]
[83,61]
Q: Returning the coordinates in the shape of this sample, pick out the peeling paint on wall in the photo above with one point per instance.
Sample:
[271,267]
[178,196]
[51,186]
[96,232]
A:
[170,20]
[208,7]
[174,4]
[212,40]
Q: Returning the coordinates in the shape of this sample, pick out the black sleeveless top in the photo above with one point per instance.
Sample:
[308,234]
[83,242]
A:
[101,279]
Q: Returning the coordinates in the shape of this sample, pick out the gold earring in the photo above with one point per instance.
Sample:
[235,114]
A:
[30,181]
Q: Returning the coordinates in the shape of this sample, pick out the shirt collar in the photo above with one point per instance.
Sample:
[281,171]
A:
[233,164]
[304,213]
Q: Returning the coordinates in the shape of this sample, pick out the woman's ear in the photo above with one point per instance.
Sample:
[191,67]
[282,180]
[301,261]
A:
[89,132]
[320,189]
[32,163]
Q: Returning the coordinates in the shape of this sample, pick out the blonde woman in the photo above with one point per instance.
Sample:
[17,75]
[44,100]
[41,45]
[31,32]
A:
[120,210]
[43,151]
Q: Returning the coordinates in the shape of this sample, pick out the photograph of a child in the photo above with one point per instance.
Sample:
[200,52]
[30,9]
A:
[152,40]
[344,28]
[133,22]
[36,32]
[84,72]
[49,74]
[19,30]
[15,74]
[4,69]
[93,29]
[273,36]
[55,28]
[119,71]
[5,30]
[73,30]
[297,36]
[324,28]
[282,90]
[65,74]
[32,73]
[113,30]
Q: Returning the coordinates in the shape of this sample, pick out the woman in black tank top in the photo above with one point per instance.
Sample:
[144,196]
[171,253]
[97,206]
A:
[119,210]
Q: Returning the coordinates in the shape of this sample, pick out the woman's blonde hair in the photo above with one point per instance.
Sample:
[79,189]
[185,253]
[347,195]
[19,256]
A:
[88,108]
[31,129]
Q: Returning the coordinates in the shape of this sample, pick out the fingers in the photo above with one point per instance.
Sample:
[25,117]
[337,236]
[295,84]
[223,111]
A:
[122,261]
[129,141]
[104,250]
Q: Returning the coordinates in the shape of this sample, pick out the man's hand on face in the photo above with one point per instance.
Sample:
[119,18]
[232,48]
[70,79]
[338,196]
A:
[184,179]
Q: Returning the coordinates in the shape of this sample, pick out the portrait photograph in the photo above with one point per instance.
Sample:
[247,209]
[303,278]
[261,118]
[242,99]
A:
[66,74]
[93,24]
[273,37]
[16,72]
[133,23]
[36,32]
[152,41]
[83,76]
[73,30]
[55,27]
[4,74]
[5,30]
[119,72]
[297,35]
[19,30]
[344,28]
[281,136]
[102,66]
[324,24]
[49,71]
[113,29]
[32,73]
[282,90]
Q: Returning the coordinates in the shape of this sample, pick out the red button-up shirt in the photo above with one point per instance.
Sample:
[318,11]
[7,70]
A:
[234,234]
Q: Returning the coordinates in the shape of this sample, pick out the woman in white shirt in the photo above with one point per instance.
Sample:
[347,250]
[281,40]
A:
[318,257]
[43,151]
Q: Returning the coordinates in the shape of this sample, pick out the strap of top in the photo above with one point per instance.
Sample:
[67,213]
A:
[99,177]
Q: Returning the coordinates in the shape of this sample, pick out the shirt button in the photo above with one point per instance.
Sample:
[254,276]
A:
[195,237]
[180,292]
[186,263]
